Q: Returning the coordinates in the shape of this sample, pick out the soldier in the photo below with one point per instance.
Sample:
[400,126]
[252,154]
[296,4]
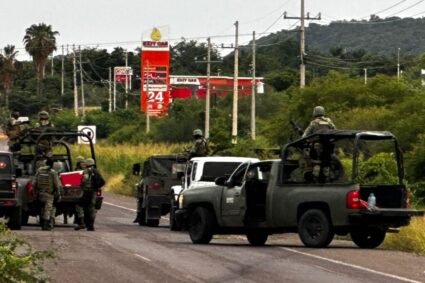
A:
[43,120]
[200,145]
[13,130]
[78,163]
[44,146]
[319,122]
[47,189]
[88,200]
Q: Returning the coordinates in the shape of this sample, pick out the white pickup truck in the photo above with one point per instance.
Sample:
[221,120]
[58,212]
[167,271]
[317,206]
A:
[202,172]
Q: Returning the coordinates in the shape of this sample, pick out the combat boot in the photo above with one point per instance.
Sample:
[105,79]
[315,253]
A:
[80,225]
[90,226]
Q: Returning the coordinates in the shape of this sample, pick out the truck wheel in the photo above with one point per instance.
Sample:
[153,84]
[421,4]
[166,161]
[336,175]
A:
[201,225]
[315,229]
[25,217]
[173,222]
[257,237]
[152,222]
[15,218]
[368,238]
[141,217]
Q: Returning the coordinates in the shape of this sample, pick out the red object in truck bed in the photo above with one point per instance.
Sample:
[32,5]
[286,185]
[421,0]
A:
[71,178]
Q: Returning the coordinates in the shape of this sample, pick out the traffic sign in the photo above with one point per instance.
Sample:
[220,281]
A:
[89,131]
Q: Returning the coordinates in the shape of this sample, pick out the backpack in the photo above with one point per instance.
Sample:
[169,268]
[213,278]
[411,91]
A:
[97,180]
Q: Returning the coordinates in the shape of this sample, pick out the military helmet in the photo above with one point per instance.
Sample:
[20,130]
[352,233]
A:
[15,114]
[89,162]
[80,159]
[43,115]
[197,132]
[318,111]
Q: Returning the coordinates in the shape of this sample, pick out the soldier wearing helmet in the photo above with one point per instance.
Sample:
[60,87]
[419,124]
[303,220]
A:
[47,189]
[13,129]
[199,146]
[43,120]
[319,122]
[86,211]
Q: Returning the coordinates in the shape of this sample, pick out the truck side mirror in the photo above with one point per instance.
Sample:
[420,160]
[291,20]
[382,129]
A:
[136,169]
[221,181]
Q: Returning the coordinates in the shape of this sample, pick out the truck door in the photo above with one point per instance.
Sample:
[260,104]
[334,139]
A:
[233,203]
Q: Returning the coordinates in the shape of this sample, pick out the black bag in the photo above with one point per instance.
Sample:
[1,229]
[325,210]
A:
[97,180]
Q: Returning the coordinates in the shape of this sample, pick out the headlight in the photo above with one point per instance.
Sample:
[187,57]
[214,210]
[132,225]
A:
[180,201]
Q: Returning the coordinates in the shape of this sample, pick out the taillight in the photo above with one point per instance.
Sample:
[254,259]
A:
[406,199]
[154,185]
[99,193]
[29,188]
[353,200]
[14,185]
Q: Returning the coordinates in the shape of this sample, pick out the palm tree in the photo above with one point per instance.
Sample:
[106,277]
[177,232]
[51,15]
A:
[40,42]
[7,71]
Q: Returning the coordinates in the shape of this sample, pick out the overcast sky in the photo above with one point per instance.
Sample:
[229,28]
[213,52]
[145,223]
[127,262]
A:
[105,24]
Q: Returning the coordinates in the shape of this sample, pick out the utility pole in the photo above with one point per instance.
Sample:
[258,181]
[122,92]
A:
[83,102]
[110,90]
[253,85]
[365,75]
[51,71]
[208,89]
[398,63]
[74,63]
[302,19]
[114,106]
[235,89]
[126,80]
[62,74]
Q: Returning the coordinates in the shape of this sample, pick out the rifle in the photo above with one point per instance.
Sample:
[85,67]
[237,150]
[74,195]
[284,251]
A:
[296,127]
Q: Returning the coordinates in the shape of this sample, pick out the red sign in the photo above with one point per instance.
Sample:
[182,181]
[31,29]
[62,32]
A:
[155,90]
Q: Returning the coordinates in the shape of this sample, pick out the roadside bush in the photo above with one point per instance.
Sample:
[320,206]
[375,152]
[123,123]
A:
[18,261]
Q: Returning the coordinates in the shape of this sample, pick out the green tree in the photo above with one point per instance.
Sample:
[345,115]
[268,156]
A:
[40,42]
[7,71]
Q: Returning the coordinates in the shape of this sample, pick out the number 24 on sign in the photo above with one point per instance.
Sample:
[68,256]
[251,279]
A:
[157,96]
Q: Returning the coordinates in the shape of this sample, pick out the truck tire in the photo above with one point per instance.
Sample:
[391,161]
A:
[315,229]
[173,221]
[368,238]
[257,237]
[25,217]
[201,225]
[15,218]
[141,217]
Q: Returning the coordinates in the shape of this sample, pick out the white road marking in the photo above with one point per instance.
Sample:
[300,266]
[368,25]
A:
[353,266]
[130,209]
[119,206]
[142,257]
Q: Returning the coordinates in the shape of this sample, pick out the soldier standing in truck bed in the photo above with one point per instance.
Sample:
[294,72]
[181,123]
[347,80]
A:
[200,145]
[319,122]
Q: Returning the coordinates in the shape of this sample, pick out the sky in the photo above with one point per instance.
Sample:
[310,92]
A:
[106,24]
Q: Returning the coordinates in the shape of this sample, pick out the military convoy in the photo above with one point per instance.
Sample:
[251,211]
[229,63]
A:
[20,168]
[331,182]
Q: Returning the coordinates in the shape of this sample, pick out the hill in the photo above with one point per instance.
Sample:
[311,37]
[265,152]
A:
[380,36]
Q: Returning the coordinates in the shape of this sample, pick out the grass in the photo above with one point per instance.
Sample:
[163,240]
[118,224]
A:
[115,161]
[410,239]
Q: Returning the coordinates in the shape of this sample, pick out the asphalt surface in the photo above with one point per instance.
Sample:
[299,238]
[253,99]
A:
[121,251]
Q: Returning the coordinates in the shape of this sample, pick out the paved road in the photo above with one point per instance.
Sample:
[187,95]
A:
[120,251]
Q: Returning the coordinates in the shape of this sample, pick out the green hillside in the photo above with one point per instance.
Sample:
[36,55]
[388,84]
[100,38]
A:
[382,36]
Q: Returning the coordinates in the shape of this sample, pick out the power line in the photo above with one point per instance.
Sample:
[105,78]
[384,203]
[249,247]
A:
[386,9]
[411,6]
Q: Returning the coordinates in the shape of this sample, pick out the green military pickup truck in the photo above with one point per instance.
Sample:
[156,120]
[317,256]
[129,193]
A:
[332,182]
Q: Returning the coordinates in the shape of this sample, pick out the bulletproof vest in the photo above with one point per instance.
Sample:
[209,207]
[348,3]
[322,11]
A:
[44,181]
[322,123]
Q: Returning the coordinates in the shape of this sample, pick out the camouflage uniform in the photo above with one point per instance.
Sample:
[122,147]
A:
[200,145]
[86,206]
[44,146]
[319,122]
[13,130]
[47,188]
